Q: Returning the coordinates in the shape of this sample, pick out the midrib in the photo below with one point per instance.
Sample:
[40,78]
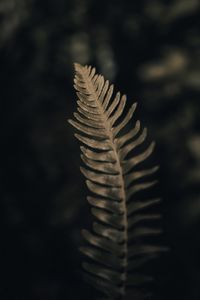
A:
[108,128]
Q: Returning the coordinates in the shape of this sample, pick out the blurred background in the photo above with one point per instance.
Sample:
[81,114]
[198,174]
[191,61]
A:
[151,51]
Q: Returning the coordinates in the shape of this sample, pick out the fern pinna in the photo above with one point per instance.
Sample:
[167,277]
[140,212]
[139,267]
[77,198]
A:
[114,251]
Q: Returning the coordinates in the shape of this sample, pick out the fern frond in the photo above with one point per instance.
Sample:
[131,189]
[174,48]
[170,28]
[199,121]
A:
[114,253]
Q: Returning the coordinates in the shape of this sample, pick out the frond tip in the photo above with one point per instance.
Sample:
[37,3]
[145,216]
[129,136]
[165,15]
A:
[114,251]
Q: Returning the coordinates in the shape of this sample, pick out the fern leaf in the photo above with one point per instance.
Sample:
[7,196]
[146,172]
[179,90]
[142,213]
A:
[114,255]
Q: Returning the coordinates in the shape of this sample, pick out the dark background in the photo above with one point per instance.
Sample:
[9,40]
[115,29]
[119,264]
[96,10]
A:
[151,51]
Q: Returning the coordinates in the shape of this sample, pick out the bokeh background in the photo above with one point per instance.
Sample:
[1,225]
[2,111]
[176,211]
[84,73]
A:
[151,51]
